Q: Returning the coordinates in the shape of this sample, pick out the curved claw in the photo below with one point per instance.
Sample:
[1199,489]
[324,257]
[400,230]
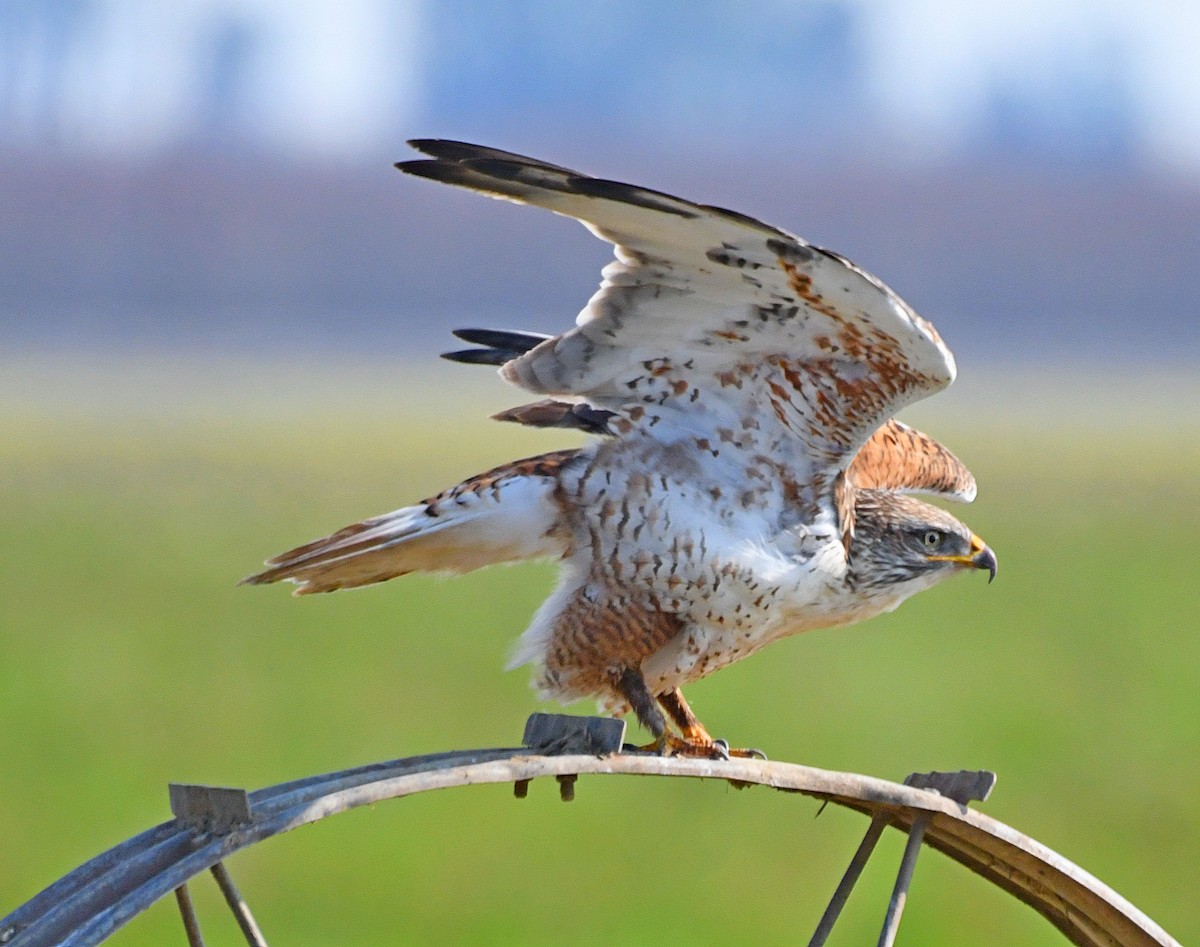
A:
[743,753]
[671,745]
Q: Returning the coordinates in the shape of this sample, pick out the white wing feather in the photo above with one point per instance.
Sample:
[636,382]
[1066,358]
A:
[708,317]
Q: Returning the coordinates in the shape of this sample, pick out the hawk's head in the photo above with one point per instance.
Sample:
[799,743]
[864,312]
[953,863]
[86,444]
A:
[902,545]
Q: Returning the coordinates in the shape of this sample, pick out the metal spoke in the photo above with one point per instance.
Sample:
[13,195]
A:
[187,911]
[891,922]
[846,885]
[237,904]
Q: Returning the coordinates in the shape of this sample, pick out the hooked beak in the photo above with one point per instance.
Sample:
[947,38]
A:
[980,557]
[983,557]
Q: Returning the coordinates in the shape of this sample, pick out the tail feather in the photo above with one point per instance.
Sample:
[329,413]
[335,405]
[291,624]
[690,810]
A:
[503,515]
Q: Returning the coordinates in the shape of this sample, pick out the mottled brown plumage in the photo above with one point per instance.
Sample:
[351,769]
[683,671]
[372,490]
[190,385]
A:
[898,457]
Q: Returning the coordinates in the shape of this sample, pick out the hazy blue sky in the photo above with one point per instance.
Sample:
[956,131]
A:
[894,80]
[1026,173]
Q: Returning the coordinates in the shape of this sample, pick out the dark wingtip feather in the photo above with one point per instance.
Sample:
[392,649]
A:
[448,172]
[428,146]
[502,345]
[447,149]
[501,338]
[480,356]
[518,177]
[623,193]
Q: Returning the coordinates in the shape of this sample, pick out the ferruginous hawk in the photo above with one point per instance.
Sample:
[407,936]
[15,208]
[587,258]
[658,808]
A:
[748,480]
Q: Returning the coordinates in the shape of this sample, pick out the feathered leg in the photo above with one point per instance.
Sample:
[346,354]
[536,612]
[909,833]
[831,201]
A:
[631,685]
[694,732]
[677,708]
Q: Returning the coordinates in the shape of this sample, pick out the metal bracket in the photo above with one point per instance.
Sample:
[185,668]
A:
[215,809]
[567,735]
[218,810]
[964,786]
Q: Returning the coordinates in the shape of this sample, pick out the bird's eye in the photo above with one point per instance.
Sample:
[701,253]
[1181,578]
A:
[932,539]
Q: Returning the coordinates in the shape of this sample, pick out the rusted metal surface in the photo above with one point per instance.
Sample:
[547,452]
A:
[86,906]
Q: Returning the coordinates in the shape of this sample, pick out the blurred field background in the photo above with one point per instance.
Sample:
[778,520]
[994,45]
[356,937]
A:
[218,314]
[130,659]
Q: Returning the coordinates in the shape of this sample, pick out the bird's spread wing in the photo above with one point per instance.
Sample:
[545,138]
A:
[709,319]
[900,458]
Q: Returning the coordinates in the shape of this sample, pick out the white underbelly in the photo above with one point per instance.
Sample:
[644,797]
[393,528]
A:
[771,597]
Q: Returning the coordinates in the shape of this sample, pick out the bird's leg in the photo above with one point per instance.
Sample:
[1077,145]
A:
[631,685]
[689,726]
[694,733]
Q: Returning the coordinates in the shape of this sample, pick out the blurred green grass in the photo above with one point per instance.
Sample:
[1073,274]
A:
[134,497]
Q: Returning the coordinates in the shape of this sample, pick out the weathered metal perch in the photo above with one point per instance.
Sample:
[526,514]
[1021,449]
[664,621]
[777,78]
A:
[90,903]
